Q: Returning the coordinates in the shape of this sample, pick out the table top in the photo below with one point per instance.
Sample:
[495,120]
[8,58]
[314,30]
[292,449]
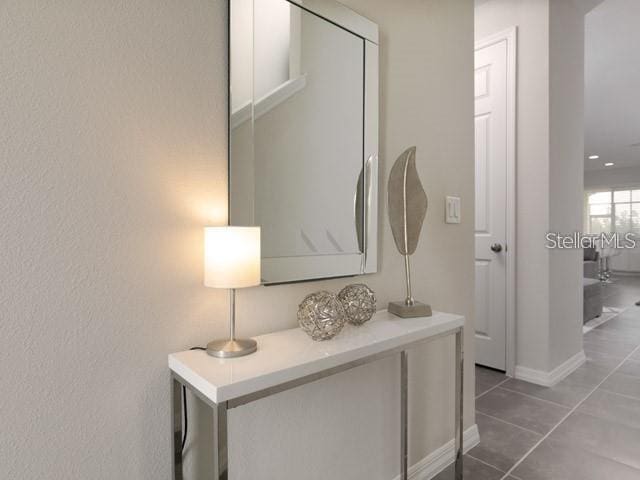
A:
[291,354]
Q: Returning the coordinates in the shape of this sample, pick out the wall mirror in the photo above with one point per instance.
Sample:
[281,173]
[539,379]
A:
[303,144]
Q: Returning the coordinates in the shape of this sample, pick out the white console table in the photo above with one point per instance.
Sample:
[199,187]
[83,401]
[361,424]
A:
[290,358]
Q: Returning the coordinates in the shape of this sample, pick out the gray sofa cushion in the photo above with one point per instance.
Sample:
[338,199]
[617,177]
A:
[592,305]
[591,254]
[591,269]
[591,263]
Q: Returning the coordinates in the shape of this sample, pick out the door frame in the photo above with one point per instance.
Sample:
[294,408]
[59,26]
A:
[509,35]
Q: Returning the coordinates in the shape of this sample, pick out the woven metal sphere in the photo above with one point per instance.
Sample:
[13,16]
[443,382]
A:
[321,315]
[359,303]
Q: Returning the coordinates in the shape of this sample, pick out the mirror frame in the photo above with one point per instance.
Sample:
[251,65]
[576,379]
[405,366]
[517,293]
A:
[318,267]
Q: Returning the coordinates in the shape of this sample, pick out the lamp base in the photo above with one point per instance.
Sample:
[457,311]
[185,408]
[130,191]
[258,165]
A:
[231,348]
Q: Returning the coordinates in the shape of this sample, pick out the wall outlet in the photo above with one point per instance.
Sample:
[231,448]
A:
[452,210]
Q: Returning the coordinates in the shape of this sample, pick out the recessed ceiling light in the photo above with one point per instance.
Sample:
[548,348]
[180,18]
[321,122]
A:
[608,164]
[594,157]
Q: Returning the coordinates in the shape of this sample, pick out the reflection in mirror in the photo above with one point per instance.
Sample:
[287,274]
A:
[297,138]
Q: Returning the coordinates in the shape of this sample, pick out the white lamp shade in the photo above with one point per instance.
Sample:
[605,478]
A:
[231,257]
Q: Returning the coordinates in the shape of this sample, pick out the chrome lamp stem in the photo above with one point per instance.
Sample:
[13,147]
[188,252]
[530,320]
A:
[232,314]
[232,347]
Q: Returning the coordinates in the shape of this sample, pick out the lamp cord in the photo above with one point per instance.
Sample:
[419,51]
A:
[184,412]
[184,408]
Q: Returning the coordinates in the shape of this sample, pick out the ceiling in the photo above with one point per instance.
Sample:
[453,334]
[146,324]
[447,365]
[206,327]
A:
[612,84]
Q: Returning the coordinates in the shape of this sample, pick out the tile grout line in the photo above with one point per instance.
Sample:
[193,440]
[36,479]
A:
[485,463]
[634,360]
[614,314]
[606,335]
[631,397]
[555,404]
[609,330]
[598,340]
[492,388]
[509,423]
[597,343]
[517,464]
[590,350]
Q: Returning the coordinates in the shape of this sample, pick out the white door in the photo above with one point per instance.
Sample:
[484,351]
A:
[491,135]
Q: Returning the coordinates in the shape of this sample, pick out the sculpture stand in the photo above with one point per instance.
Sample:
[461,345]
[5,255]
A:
[418,309]
[409,308]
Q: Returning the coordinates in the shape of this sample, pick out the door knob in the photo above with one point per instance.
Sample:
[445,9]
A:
[496,247]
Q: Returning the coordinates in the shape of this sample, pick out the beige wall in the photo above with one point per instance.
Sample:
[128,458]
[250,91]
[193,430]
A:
[112,158]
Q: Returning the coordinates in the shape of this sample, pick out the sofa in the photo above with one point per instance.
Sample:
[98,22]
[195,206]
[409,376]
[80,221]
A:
[591,263]
[592,303]
[591,285]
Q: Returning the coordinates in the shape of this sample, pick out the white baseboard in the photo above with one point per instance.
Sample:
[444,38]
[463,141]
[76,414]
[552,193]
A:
[438,460]
[549,379]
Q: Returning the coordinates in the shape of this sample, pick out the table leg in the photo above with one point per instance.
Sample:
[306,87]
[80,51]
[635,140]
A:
[176,428]
[404,428]
[459,403]
[220,425]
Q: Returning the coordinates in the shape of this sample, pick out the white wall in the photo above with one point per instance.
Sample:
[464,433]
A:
[112,158]
[532,169]
[546,161]
[612,177]
[566,160]
[271,45]
[612,78]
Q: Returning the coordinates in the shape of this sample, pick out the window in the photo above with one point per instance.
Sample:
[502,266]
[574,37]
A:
[611,211]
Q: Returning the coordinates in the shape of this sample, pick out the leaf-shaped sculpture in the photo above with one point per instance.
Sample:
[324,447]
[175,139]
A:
[407,209]
[407,202]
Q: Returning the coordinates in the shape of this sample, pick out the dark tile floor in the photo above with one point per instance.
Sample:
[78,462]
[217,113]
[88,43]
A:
[585,428]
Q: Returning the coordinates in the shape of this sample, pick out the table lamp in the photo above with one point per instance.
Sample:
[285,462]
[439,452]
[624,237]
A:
[231,260]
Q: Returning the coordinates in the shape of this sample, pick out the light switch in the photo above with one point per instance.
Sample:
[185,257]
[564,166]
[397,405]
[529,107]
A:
[452,210]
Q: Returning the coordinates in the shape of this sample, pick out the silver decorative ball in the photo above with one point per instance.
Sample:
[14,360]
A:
[321,315]
[359,303]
